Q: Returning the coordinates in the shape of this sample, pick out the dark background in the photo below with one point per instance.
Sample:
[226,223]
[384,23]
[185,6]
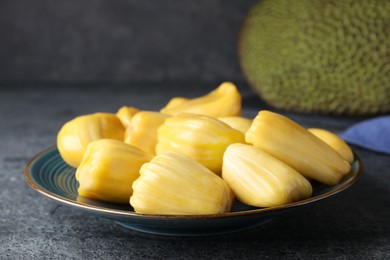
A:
[117,43]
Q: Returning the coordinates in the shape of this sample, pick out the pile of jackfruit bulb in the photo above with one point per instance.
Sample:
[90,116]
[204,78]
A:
[196,156]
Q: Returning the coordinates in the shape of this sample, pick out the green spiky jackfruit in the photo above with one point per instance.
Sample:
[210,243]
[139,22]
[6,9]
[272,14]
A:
[323,56]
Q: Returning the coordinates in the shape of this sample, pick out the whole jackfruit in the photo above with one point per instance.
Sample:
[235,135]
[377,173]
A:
[318,55]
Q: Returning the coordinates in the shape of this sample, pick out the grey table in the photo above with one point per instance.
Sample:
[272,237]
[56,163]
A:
[352,225]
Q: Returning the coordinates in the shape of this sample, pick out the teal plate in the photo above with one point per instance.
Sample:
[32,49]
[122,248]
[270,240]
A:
[51,176]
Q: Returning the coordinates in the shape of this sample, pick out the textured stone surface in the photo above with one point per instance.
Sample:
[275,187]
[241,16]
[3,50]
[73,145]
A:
[352,225]
[98,41]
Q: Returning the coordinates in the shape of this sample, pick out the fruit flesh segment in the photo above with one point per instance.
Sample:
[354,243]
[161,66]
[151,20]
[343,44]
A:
[335,142]
[237,122]
[125,114]
[174,184]
[202,138]
[108,169]
[223,101]
[142,132]
[297,147]
[75,135]
[259,179]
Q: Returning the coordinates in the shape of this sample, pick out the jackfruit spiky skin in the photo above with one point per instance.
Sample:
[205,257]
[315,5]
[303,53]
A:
[319,56]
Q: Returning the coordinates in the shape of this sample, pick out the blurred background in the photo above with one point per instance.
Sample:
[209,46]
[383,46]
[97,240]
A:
[97,43]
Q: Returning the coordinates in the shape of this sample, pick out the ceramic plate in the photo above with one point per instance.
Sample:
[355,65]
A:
[52,177]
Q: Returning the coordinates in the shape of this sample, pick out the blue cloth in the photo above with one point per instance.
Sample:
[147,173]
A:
[372,134]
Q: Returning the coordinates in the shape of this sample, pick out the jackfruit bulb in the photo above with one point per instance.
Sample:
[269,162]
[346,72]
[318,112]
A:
[259,179]
[108,170]
[292,144]
[200,137]
[174,184]
[222,101]
[75,135]
[321,56]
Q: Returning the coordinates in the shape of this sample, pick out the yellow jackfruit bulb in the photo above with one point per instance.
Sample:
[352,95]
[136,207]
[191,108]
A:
[223,101]
[259,179]
[142,132]
[75,135]
[202,138]
[175,102]
[174,184]
[335,142]
[108,170]
[294,145]
[237,122]
[125,114]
